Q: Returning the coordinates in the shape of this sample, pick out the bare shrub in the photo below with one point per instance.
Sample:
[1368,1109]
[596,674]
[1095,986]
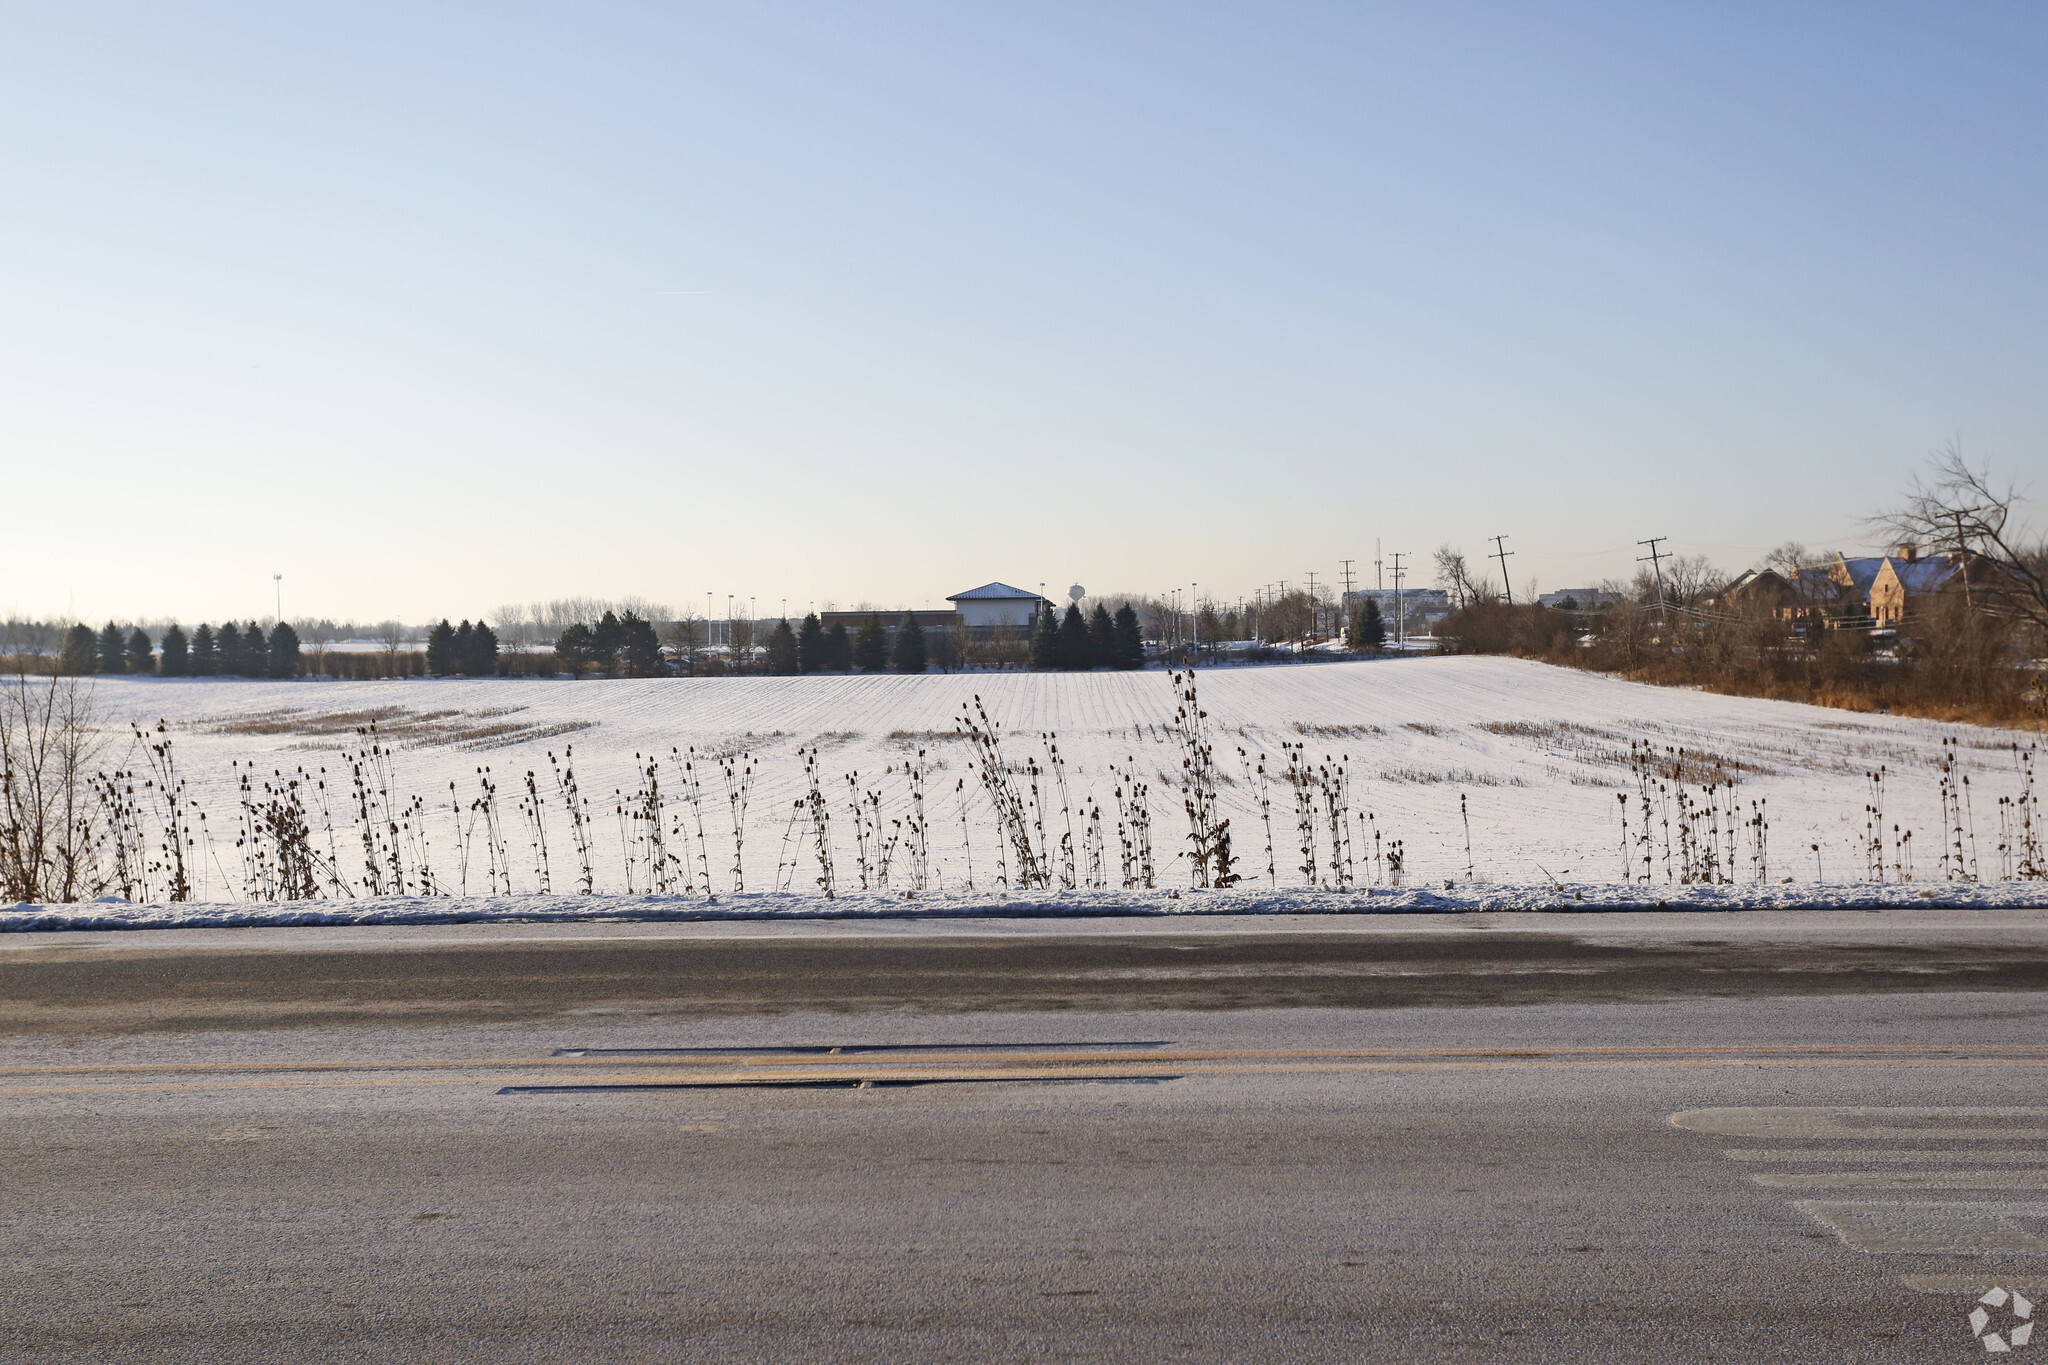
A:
[51,824]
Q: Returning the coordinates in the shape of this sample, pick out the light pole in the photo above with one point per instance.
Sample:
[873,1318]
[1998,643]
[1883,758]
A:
[277,581]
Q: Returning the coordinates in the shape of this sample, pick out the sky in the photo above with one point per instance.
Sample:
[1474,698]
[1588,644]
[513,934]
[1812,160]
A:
[430,308]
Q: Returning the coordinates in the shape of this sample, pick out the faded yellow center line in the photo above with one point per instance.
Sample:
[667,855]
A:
[1126,1068]
[1052,1055]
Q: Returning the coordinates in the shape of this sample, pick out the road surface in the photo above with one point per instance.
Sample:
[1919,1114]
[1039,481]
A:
[1504,1138]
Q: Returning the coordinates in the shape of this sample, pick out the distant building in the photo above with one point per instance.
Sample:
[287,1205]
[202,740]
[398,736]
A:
[1578,599]
[1426,602]
[997,606]
[1785,598]
[990,624]
[1870,590]
[1905,575]
[927,621]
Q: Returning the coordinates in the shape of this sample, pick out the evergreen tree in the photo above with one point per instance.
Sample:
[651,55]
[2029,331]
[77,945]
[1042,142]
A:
[441,649]
[1368,629]
[228,650]
[459,654]
[909,656]
[639,649]
[784,655]
[605,638]
[255,654]
[1073,651]
[113,650]
[871,646]
[838,649]
[177,661]
[141,657]
[81,650]
[1101,638]
[1045,639]
[205,656]
[283,651]
[1130,640]
[576,650]
[810,645]
[481,659]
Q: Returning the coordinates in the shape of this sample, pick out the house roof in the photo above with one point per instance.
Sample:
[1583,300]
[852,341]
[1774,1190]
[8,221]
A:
[1860,571]
[1755,580]
[998,592]
[1923,575]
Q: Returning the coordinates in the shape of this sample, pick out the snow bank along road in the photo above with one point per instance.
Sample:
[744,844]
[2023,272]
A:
[1531,756]
[1616,1137]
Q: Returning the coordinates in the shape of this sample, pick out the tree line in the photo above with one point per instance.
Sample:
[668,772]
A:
[813,647]
[230,651]
[1076,643]
[471,651]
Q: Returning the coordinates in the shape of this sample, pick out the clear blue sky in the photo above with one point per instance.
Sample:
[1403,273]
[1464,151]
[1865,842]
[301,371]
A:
[434,307]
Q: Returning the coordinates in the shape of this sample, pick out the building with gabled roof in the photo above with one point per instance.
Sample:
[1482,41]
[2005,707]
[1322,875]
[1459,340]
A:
[997,605]
[1904,575]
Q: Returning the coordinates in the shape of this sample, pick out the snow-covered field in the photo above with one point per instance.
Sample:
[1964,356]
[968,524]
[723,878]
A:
[1536,754]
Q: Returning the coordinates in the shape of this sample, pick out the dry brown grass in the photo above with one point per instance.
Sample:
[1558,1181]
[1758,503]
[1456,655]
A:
[1855,697]
[1459,777]
[913,739]
[1604,748]
[401,727]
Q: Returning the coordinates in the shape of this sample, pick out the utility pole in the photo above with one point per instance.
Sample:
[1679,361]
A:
[1502,553]
[1657,566]
[1379,580]
[1347,563]
[1400,616]
[1313,623]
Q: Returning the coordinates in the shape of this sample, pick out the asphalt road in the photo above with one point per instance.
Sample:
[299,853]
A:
[1481,1138]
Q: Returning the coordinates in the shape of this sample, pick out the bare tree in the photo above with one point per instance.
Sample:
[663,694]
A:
[1790,558]
[392,635]
[49,820]
[1689,579]
[1959,511]
[515,627]
[1455,578]
[683,635]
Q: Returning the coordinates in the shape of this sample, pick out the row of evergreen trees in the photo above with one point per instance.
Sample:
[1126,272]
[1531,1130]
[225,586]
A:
[615,644]
[1077,642]
[230,651]
[471,651]
[816,648]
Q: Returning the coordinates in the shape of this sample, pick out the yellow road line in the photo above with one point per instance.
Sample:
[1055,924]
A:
[771,1057]
[1126,1069]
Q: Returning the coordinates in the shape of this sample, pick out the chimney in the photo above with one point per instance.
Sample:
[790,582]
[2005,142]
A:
[1908,553]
